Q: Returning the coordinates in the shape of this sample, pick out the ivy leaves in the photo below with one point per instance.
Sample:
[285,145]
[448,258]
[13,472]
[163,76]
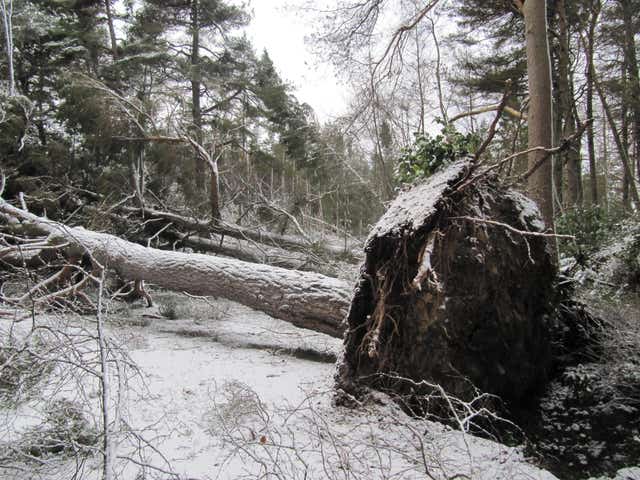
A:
[429,154]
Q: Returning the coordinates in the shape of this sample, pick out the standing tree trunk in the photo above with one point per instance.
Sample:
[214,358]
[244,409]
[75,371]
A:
[421,98]
[631,63]
[558,159]
[6,9]
[627,176]
[205,157]
[136,173]
[593,175]
[605,164]
[624,154]
[214,190]
[112,30]
[196,110]
[570,157]
[540,109]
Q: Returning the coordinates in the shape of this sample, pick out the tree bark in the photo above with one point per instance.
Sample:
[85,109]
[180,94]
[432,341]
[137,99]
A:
[540,109]
[633,78]
[196,110]
[305,299]
[112,30]
[7,16]
[590,49]
[571,157]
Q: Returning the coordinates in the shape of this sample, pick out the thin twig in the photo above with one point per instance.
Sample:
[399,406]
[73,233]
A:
[564,144]
[107,453]
[494,124]
[513,229]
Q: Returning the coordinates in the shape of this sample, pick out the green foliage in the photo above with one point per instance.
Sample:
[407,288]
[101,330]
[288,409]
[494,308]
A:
[591,227]
[428,154]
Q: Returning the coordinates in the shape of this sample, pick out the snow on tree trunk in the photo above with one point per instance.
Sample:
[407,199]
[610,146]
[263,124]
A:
[261,236]
[306,299]
[446,297]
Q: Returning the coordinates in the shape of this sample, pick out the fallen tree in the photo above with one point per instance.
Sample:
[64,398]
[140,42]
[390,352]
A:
[457,289]
[306,299]
[243,233]
[69,201]
[168,230]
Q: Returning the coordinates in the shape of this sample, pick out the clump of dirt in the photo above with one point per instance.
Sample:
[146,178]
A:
[446,297]
[455,302]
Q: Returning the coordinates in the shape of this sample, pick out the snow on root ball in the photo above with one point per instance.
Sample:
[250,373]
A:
[451,292]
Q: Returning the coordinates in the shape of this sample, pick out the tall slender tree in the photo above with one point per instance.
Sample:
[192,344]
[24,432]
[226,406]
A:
[6,10]
[194,19]
[565,114]
[593,13]
[540,106]
[629,12]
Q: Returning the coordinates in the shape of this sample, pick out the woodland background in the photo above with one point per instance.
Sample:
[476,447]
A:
[111,98]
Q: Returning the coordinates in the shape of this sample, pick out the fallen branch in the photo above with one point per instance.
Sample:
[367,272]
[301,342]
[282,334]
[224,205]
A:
[242,233]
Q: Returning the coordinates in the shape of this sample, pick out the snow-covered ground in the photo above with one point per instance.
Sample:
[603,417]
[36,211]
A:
[227,392]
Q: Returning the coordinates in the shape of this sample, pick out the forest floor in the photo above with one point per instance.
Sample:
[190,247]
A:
[221,391]
[204,388]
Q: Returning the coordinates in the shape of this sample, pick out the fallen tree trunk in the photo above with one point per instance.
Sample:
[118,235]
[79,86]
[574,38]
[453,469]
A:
[242,233]
[176,231]
[457,289]
[242,251]
[308,300]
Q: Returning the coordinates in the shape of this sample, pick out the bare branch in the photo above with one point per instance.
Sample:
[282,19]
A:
[513,229]
[512,112]
[494,124]
[397,38]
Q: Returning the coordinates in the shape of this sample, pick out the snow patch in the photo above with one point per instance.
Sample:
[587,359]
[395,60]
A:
[411,208]
[529,212]
[215,409]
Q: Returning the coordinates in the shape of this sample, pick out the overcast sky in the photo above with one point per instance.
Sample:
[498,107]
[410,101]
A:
[282,30]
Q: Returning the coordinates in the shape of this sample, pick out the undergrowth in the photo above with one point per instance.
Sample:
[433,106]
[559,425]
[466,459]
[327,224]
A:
[590,415]
[65,430]
[21,369]
[592,228]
